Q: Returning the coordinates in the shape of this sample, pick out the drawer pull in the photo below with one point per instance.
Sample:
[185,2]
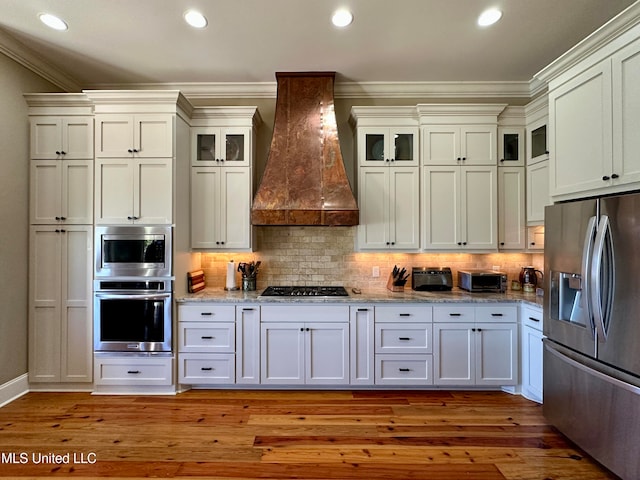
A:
[455,314]
[404,369]
[496,315]
[363,309]
[208,337]
[533,319]
[405,314]
[248,309]
[133,372]
[206,369]
[404,338]
[206,314]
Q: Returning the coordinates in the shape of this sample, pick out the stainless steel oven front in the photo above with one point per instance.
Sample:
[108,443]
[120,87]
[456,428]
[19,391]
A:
[133,251]
[132,315]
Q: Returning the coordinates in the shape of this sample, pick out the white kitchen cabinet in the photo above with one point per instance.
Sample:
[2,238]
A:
[220,146]
[248,344]
[535,238]
[361,344]
[304,344]
[222,155]
[532,348]
[206,344]
[475,345]
[460,208]
[67,137]
[459,144]
[511,146]
[61,192]
[133,371]
[511,208]
[221,208]
[136,191]
[60,304]
[390,146]
[594,115]
[537,192]
[389,209]
[134,136]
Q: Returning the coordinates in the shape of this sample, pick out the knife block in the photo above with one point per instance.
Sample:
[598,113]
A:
[392,287]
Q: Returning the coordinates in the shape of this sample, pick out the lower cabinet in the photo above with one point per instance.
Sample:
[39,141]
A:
[133,370]
[361,346]
[403,345]
[218,344]
[60,304]
[307,346]
[532,349]
[475,345]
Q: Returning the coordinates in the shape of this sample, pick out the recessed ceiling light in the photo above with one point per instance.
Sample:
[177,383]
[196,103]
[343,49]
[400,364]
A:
[52,21]
[489,17]
[195,19]
[342,18]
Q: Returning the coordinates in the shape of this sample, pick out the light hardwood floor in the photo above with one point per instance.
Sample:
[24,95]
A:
[283,434]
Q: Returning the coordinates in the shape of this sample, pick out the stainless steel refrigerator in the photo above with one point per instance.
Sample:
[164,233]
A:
[592,324]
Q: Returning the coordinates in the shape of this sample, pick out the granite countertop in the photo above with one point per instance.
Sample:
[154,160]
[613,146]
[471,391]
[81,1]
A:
[456,295]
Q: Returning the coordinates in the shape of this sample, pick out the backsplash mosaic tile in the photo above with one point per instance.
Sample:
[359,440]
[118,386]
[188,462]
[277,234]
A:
[325,256]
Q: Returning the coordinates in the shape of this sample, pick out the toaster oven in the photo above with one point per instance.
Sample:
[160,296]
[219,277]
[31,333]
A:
[482,281]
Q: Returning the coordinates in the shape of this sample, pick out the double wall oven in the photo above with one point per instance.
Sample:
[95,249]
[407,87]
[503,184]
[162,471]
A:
[133,289]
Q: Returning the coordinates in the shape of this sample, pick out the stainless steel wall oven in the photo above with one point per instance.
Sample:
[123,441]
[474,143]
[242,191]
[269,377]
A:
[132,315]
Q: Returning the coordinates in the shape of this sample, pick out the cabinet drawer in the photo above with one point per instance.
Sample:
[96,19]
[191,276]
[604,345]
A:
[404,370]
[206,313]
[207,337]
[454,313]
[497,313]
[305,313]
[206,369]
[400,313]
[133,371]
[404,337]
[532,317]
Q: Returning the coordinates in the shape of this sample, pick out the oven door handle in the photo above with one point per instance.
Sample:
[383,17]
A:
[133,296]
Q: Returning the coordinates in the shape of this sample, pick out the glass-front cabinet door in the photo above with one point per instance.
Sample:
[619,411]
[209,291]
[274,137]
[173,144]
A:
[511,146]
[213,146]
[388,146]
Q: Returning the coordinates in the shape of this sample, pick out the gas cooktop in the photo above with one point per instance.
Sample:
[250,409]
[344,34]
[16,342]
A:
[288,291]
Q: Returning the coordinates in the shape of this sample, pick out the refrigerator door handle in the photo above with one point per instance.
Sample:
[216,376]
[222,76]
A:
[596,277]
[587,256]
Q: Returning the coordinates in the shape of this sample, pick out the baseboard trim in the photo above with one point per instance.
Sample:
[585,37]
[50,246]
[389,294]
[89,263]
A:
[13,389]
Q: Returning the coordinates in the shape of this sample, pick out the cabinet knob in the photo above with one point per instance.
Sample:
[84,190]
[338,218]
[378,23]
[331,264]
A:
[307,329]
[459,159]
[63,152]
[63,218]
[606,177]
[459,243]
[615,175]
[135,150]
[58,152]
[129,150]
[464,158]
[58,218]
[464,243]
[473,329]
[502,244]
[502,160]
[62,230]
[533,243]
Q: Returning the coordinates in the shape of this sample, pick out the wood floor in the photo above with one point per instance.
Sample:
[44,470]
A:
[283,435]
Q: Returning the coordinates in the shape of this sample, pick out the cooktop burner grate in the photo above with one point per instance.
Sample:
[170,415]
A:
[290,291]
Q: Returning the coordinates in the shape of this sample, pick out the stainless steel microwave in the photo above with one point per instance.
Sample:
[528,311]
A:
[133,251]
[482,281]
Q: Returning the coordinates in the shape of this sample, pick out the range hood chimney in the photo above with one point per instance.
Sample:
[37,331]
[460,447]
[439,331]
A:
[305,182]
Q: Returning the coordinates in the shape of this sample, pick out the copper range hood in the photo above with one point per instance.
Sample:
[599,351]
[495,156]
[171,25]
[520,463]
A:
[305,182]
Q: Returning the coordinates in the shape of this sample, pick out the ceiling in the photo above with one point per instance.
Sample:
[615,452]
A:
[124,42]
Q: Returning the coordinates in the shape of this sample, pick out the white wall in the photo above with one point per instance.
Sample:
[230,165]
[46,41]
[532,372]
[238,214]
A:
[15,80]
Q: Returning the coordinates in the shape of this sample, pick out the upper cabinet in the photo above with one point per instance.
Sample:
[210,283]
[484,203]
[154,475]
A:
[459,145]
[379,146]
[137,136]
[134,136]
[219,146]
[222,155]
[594,113]
[68,137]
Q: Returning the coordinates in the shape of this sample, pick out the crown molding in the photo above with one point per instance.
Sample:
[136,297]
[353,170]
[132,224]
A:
[200,93]
[31,60]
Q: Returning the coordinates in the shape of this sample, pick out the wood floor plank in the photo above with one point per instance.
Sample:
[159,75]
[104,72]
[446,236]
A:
[245,434]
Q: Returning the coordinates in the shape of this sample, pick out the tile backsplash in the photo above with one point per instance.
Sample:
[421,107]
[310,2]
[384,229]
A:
[326,256]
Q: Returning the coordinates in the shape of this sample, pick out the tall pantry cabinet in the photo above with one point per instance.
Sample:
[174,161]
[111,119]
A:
[60,240]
